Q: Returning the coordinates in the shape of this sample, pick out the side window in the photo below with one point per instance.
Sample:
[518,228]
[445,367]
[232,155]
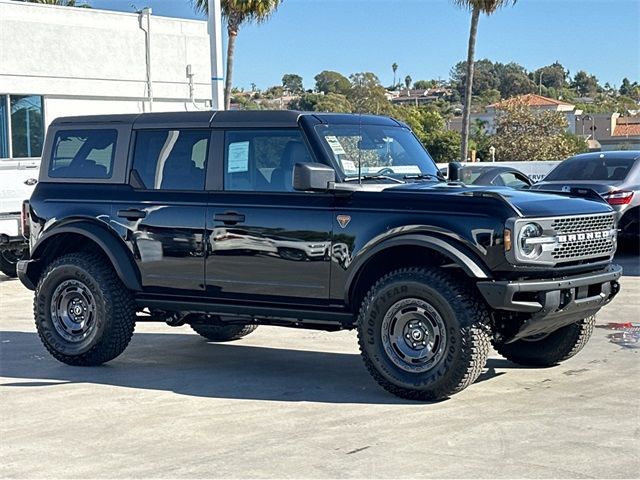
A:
[171,159]
[512,180]
[263,160]
[83,153]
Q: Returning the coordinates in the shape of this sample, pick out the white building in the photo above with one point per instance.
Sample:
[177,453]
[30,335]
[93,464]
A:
[58,61]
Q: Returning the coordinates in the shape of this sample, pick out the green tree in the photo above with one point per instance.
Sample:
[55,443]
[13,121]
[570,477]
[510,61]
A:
[292,83]
[367,95]
[444,146]
[407,81]
[333,102]
[328,81]
[526,134]
[306,102]
[586,85]
[477,7]
[236,13]
[551,76]
[394,67]
[514,80]
[425,84]
[485,77]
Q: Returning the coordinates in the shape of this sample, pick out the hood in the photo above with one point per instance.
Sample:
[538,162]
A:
[528,203]
[557,186]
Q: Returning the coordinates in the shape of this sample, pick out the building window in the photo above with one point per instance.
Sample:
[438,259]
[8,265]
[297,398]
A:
[4,127]
[27,125]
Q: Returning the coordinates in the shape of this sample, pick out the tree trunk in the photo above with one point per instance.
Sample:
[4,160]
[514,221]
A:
[231,46]
[468,91]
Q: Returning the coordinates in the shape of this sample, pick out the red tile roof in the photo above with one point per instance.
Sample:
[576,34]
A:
[629,129]
[531,100]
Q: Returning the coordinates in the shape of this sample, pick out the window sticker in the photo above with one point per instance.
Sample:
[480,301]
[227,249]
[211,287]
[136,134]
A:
[335,145]
[348,166]
[238,158]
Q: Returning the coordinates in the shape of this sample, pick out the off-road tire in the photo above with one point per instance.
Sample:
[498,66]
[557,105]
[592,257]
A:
[7,264]
[552,349]
[465,318]
[115,310]
[223,333]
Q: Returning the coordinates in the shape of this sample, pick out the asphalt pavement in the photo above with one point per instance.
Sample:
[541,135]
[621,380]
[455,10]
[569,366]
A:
[286,403]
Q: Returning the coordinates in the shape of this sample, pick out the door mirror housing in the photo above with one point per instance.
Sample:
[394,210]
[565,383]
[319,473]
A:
[314,177]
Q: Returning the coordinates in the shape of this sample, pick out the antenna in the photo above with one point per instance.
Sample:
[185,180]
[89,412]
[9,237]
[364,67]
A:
[359,144]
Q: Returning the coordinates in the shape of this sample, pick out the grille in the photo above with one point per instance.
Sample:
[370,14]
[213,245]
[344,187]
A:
[593,223]
[587,247]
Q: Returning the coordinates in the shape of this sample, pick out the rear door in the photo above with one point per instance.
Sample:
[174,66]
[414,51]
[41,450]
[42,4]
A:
[266,241]
[164,214]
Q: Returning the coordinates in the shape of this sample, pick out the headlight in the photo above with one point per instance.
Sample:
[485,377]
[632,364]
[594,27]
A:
[528,232]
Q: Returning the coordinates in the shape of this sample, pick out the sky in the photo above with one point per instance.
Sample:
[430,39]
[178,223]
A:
[424,37]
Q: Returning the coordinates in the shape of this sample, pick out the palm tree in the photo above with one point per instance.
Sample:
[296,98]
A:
[394,67]
[407,81]
[237,12]
[477,7]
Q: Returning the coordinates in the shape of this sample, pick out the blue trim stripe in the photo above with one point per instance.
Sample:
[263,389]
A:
[217,78]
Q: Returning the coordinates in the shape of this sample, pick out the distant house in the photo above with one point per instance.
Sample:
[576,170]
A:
[417,97]
[610,131]
[533,101]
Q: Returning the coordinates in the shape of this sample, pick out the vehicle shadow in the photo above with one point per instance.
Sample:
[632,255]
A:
[188,365]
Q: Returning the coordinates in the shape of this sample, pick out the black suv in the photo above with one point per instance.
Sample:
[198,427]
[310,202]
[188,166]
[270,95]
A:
[229,220]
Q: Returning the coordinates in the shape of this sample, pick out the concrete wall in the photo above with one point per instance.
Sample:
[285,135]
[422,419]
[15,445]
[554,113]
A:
[88,61]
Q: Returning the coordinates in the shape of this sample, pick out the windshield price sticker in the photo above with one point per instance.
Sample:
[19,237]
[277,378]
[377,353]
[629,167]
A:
[335,145]
[349,166]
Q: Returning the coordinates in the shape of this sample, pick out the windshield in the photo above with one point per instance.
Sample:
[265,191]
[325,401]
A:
[585,169]
[377,150]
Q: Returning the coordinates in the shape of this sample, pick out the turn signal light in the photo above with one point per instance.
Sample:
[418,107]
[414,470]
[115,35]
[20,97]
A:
[507,239]
[619,198]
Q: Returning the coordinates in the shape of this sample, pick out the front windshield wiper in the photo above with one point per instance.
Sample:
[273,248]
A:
[372,177]
[424,176]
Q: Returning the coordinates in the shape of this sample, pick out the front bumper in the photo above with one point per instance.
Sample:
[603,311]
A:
[552,304]
[22,269]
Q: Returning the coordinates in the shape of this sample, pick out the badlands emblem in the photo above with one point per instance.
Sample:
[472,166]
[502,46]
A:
[343,220]
[585,236]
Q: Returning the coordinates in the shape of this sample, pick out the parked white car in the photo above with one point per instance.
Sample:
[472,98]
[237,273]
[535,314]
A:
[17,181]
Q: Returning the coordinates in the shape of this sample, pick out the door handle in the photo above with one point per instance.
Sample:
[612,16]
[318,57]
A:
[132,214]
[229,218]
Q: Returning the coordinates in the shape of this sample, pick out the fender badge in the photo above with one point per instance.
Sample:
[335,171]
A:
[343,220]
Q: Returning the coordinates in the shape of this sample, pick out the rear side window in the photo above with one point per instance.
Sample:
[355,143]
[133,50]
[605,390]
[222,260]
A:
[171,159]
[609,169]
[83,153]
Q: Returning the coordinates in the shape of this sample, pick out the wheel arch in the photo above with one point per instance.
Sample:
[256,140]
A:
[80,236]
[408,250]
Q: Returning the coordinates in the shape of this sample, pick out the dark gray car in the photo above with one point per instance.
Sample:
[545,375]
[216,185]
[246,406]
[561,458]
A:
[614,175]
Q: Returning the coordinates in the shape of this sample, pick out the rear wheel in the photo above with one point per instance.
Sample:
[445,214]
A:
[223,333]
[84,314]
[549,349]
[423,334]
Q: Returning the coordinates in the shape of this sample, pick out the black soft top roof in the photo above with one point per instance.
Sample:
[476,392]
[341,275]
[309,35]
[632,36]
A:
[228,118]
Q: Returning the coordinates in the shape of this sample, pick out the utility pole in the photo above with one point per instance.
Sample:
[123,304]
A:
[215,37]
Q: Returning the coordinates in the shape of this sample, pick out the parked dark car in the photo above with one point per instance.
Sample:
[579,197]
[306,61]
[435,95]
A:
[614,175]
[495,175]
[229,220]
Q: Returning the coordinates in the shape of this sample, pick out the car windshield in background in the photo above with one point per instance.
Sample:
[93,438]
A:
[377,150]
[611,169]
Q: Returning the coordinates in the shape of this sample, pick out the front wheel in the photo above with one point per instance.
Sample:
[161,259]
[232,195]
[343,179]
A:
[550,349]
[84,314]
[423,334]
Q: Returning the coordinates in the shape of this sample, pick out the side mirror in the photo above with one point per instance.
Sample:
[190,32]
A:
[455,172]
[312,176]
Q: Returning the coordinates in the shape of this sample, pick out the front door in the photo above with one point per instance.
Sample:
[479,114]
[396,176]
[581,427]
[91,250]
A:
[265,241]
[163,219]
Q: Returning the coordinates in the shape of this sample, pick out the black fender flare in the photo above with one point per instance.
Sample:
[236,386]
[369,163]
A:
[112,246]
[456,252]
